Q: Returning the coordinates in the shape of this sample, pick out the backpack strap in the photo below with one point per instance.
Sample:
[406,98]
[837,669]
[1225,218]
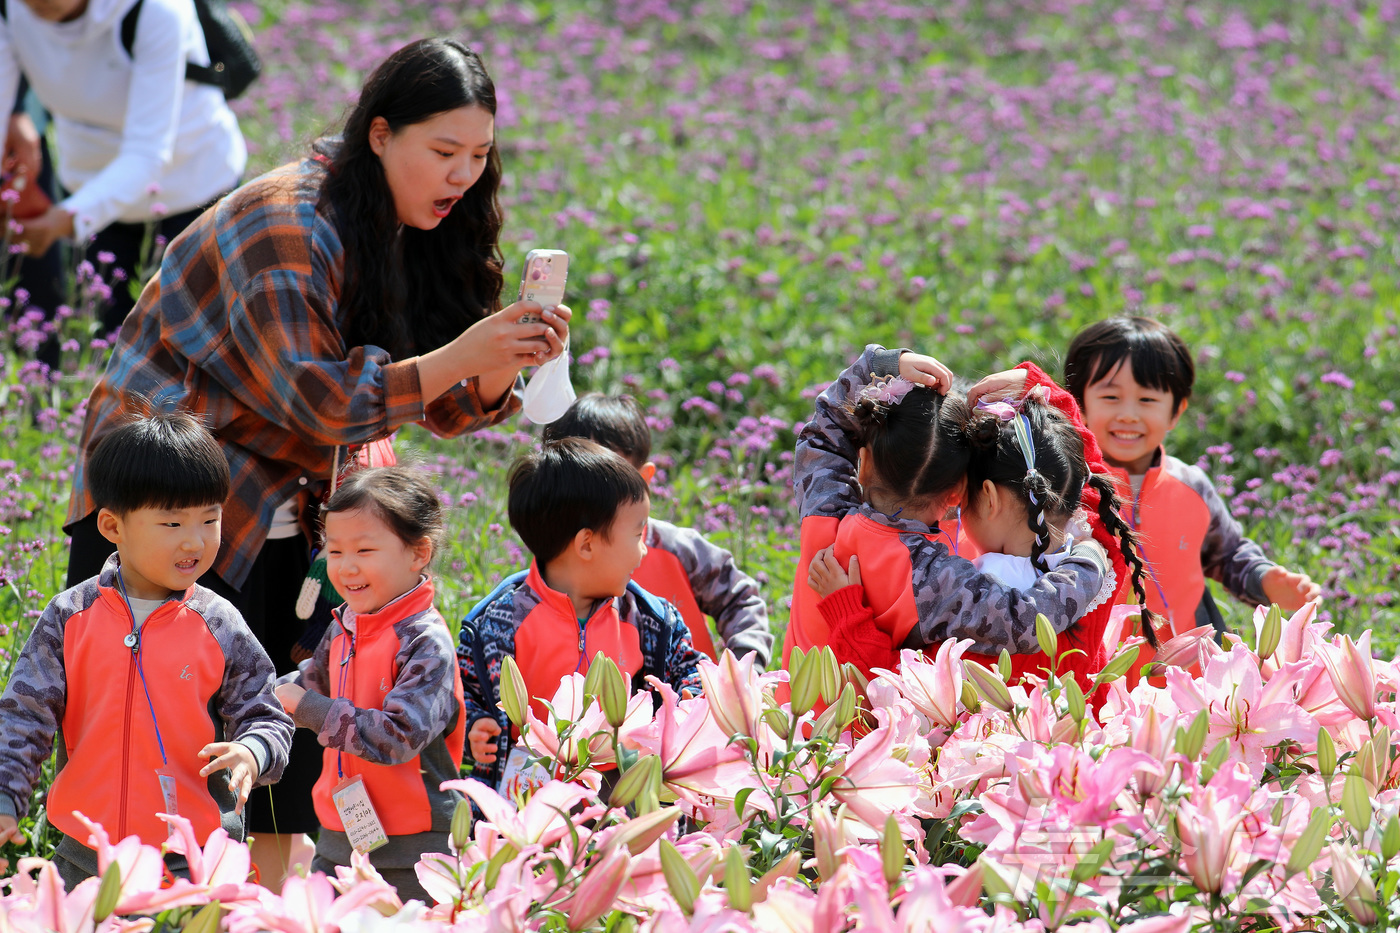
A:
[129,27]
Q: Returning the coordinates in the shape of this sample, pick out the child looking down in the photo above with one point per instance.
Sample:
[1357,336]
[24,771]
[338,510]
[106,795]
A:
[680,566]
[142,666]
[582,511]
[381,691]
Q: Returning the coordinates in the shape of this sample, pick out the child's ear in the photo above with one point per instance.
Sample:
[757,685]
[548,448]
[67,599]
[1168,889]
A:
[109,523]
[582,545]
[422,554]
[1180,410]
[863,471]
[992,498]
[648,471]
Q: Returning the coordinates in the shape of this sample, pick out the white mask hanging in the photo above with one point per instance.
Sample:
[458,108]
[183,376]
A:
[549,393]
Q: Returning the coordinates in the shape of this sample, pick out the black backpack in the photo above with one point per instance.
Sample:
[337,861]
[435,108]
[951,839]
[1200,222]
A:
[233,63]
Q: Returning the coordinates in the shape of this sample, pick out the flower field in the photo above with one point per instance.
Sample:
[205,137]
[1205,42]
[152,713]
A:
[750,192]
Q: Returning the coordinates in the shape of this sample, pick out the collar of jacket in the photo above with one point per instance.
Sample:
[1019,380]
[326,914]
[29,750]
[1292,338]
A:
[419,599]
[558,601]
[900,525]
[1121,477]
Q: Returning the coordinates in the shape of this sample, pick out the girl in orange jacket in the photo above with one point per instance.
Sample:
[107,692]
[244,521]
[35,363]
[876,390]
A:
[382,691]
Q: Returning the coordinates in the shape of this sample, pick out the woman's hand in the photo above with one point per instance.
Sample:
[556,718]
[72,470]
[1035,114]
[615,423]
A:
[40,233]
[495,349]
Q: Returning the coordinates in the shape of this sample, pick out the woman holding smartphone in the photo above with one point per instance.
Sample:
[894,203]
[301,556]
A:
[318,308]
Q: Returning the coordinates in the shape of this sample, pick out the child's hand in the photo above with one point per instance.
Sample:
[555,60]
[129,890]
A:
[9,831]
[483,739]
[999,387]
[825,575]
[1292,591]
[238,758]
[289,695]
[925,371]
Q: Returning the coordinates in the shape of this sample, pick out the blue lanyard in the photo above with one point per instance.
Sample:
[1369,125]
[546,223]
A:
[346,653]
[135,646]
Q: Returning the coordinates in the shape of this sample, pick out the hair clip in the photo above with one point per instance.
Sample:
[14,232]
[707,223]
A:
[887,390]
[1003,411]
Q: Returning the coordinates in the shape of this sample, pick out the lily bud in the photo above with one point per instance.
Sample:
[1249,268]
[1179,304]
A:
[1191,740]
[598,890]
[638,834]
[830,674]
[1326,754]
[804,679]
[614,694]
[831,723]
[514,696]
[1075,698]
[1390,840]
[892,850]
[1116,667]
[206,921]
[736,879]
[1045,636]
[108,893]
[1356,803]
[970,700]
[461,825]
[636,779]
[1309,844]
[827,840]
[680,877]
[1352,881]
[592,680]
[1354,679]
[1364,764]
[989,686]
[778,721]
[1270,634]
[1004,664]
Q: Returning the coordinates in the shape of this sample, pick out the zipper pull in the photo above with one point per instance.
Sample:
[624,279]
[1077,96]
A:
[132,641]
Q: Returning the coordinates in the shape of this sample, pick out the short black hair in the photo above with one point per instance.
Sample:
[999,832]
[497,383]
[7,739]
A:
[615,421]
[1159,358]
[565,486]
[161,460]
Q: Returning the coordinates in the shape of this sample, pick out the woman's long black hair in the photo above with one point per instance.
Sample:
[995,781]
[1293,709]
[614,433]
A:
[410,291]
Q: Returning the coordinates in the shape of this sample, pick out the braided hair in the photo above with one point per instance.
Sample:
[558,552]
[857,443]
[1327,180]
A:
[1050,484]
[918,450]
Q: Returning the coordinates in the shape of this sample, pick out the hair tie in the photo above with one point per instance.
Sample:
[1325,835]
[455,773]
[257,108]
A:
[1003,411]
[886,390]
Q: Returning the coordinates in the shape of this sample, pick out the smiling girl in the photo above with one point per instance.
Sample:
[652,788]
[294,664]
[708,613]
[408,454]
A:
[318,308]
[381,693]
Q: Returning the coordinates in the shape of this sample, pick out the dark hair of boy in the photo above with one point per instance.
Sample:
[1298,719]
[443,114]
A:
[399,496]
[917,446]
[1055,489]
[615,421]
[1159,359]
[565,486]
[161,460]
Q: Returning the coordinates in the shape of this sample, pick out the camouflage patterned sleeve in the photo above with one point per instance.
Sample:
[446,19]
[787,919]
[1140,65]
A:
[34,702]
[1226,554]
[250,710]
[722,590]
[481,646]
[417,707]
[956,600]
[825,466]
[682,657]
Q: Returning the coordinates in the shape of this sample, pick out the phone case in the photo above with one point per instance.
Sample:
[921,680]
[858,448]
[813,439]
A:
[543,278]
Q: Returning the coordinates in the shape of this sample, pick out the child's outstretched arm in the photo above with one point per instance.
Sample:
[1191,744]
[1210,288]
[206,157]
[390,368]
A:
[418,706]
[253,716]
[824,471]
[30,710]
[722,590]
[956,600]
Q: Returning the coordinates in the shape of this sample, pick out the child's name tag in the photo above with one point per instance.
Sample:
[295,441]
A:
[357,815]
[167,795]
[522,776]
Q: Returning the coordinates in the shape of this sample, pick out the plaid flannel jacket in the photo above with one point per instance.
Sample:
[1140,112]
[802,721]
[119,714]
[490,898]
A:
[243,325]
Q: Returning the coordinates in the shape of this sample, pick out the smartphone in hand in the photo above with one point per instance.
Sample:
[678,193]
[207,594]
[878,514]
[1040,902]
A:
[542,280]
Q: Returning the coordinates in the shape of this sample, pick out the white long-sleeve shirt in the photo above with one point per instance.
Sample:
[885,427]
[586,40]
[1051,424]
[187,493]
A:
[130,131]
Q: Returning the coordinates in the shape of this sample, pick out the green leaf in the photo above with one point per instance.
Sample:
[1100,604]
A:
[1092,861]
[740,799]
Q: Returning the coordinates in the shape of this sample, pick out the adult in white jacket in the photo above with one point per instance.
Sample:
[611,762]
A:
[136,141]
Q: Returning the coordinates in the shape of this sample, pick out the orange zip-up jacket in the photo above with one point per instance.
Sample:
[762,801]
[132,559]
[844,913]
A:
[528,620]
[701,579]
[384,698]
[921,593]
[207,678]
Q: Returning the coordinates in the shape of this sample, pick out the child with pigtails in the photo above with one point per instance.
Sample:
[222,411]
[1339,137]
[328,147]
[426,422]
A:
[1020,471]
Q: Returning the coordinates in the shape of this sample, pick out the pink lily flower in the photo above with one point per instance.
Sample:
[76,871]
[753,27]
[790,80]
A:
[307,905]
[696,754]
[1208,827]
[734,693]
[870,781]
[219,869]
[790,907]
[43,907]
[598,891]
[1349,664]
[934,688]
[540,823]
[142,870]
